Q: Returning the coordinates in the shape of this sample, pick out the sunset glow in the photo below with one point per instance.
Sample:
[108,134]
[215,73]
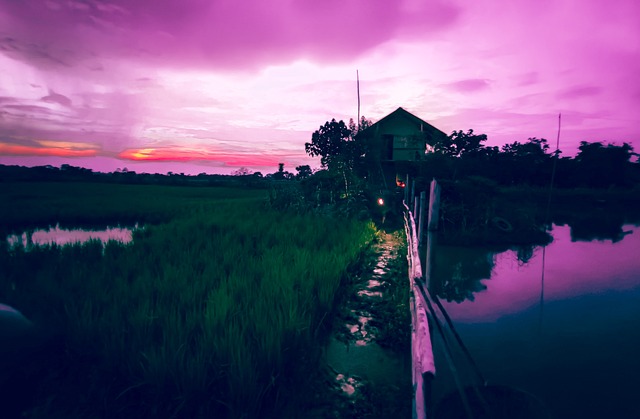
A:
[23,150]
[214,86]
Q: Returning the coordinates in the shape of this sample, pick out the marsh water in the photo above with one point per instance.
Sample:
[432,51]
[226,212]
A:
[568,334]
[63,236]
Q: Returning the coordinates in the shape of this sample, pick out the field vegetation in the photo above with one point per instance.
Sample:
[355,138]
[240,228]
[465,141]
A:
[214,310]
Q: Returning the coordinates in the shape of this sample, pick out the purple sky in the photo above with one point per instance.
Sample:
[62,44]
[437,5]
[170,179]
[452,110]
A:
[212,85]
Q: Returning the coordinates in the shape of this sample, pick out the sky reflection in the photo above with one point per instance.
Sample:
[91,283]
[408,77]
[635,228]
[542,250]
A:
[61,236]
[572,269]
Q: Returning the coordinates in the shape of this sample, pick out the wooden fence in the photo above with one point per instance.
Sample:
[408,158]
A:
[423,365]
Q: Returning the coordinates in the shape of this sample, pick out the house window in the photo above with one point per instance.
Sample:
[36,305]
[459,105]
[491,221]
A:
[401,142]
[387,141]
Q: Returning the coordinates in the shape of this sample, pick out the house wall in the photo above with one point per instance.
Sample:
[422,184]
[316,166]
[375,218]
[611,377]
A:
[395,143]
[397,139]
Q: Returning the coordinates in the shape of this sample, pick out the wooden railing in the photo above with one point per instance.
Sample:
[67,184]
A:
[423,365]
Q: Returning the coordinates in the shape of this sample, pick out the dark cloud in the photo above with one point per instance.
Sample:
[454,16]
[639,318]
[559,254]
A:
[54,97]
[469,85]
[578,92]
[218,34]
[33,52]
[27,108]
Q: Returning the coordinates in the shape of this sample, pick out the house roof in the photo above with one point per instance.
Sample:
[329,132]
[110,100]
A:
[408,115]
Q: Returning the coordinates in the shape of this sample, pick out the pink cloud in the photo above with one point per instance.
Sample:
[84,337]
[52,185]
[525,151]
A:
[48,149]
[185,154]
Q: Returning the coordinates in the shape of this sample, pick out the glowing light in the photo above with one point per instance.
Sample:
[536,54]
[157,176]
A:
[380,201]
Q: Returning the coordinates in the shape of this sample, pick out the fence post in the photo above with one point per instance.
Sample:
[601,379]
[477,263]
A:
[413,196]
[406,190]
[423,209]
[434,206]
[429,249]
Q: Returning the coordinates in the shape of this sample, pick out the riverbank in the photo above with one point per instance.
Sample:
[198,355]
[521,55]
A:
[478,212]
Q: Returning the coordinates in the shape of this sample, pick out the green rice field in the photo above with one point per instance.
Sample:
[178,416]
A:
[216,309]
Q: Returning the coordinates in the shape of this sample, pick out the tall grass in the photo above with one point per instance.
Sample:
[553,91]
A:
[206,315]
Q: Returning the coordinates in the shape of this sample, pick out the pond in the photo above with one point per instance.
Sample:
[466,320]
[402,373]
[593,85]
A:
[570,336]
[62,236]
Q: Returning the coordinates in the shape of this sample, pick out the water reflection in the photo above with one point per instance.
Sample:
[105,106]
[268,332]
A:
[501,283]
[598,228]
[579,355]
[457,271]
[61,236]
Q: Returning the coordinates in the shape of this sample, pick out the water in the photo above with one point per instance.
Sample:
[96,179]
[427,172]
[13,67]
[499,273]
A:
[572,338]
[61,236]
[369,380]
[361,358]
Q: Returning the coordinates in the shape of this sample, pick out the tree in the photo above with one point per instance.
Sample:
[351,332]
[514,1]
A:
[460,142]
[330,143]
[303,171]
[601,166]
[243,171]
[281,174]
[364,124]
[526,162]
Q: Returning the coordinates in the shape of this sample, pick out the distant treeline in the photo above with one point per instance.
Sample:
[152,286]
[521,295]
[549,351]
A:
[67,172]
[596,165]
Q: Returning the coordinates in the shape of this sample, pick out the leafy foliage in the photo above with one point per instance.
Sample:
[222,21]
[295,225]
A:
[332,142]
[304,171]
[460,143]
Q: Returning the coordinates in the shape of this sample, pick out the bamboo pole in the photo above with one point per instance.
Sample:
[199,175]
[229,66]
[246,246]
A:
[434,206]
[423,217]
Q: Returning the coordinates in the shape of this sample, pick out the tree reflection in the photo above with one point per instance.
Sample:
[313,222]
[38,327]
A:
[457,272]
[598,226]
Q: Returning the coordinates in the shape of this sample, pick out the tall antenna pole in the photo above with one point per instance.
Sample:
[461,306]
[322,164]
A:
[553,170]
[358,86]
[546,221]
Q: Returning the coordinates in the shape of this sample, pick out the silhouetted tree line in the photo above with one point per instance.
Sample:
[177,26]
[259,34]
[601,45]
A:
[463,154]
[68,173]
[596,165]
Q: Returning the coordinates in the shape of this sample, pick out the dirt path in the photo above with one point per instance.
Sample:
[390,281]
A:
[367,359]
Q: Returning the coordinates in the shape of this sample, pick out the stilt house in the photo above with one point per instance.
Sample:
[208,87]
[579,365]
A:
[396,143]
